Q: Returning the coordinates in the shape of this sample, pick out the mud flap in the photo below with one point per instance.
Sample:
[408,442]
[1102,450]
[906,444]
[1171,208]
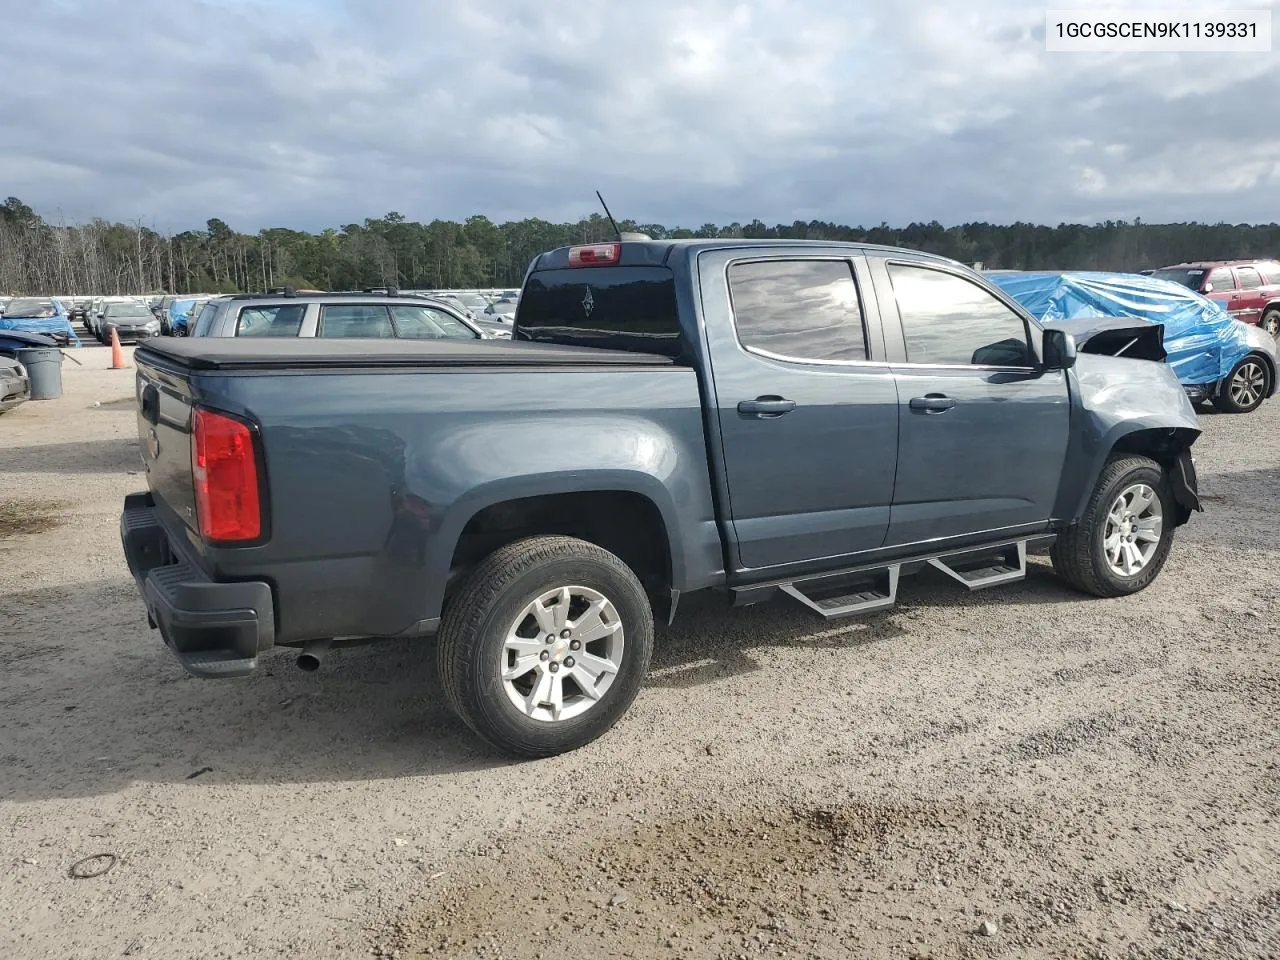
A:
[1182,477]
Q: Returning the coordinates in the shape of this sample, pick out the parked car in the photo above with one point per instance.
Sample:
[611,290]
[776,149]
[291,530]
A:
[77,308]
[1216,358]
[804,418]
[160,309]
[15,385]
[131,320]
[40,315]
[334,315]
[93,322]
[180,314]
[1248,289]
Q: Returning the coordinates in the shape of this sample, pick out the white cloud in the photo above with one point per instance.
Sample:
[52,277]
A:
[329,111]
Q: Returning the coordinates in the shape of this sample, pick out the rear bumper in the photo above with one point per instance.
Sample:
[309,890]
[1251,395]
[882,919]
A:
[214,629]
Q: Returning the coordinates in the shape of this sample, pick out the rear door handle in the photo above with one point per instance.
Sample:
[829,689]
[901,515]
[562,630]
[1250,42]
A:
[933,403]
[765,407]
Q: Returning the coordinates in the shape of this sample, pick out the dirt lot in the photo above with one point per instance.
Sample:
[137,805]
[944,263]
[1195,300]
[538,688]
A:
[1019,773]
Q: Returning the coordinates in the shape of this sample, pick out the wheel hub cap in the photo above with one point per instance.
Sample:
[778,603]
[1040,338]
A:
[1134,528]
[562,653]
[1247,385]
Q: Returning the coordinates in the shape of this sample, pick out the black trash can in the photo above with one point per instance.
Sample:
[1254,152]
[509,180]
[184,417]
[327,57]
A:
[44,367]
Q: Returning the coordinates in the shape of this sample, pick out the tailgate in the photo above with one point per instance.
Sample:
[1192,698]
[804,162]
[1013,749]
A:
[164,429]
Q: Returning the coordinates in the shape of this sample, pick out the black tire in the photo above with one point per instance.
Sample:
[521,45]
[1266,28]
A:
[470,647]
[1270,321]
[1078,554]
[1255,370]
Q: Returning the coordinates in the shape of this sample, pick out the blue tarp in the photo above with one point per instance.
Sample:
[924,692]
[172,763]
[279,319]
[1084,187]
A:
[59,323]
[179,310]
[1201,338]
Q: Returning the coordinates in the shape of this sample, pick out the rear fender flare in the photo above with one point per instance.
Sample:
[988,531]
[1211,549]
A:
[445,540]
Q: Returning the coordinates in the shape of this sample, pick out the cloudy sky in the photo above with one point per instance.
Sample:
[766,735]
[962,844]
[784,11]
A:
[309,113]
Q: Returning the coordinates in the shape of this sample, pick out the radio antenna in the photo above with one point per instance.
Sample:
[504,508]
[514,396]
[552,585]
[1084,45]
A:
[616,231]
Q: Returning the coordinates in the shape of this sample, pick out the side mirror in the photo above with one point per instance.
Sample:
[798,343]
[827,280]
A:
[1208,288]
[1059,350]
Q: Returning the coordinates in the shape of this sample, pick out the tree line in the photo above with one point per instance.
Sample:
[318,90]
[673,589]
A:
[100,257]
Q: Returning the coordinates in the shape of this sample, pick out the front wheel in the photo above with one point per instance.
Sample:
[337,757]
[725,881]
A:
[1122,540]
[1244,389]
[544,645]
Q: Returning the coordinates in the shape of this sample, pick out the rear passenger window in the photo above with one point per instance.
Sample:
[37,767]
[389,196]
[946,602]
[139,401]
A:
[428,323]
[1222,280]
[798,309]
[948,320]
[355,320]
[1249,279]
[276,321]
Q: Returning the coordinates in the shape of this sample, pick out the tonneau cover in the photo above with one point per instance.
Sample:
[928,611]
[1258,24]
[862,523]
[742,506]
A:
[232,353]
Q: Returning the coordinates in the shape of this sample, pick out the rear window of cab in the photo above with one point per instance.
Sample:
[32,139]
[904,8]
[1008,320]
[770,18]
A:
[621,307]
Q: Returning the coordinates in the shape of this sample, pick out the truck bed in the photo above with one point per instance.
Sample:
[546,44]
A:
[374,458]
[276,353]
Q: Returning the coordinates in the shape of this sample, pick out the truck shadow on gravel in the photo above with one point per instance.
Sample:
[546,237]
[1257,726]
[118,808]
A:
[92,701]
[109,455]
[711,640]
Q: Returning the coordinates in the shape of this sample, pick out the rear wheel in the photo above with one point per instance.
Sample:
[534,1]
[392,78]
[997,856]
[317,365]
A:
[1244,389]
[1122,540]
[544,645]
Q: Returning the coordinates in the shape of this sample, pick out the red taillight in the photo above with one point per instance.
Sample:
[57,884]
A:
[225,469]
[598,254]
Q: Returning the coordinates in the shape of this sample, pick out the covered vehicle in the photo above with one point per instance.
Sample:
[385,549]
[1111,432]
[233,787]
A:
[44,315]
[1214,356]
[11,341]
[180,313]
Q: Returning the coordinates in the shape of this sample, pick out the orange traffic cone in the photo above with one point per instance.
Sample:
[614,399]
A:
[117,352]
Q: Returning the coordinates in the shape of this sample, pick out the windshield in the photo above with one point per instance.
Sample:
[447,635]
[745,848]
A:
[1188,277]
[503,308]
[127,310]
[30,309]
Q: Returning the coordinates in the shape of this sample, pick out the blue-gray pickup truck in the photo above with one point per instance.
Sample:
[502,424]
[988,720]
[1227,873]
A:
[803,418]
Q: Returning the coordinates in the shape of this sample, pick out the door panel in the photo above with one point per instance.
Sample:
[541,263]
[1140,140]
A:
[992,460]
[810,455]
[1251,297]
[1223,283]
[982,432]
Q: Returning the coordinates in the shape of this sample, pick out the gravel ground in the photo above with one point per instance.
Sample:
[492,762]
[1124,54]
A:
[1017,773]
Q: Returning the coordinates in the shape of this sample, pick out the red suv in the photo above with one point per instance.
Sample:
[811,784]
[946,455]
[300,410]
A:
[1249,289]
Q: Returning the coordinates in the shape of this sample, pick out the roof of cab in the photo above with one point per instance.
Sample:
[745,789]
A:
[658,252]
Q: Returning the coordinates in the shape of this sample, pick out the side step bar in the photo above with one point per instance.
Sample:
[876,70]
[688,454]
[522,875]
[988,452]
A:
[880,593]
[1012,568]
[870,590]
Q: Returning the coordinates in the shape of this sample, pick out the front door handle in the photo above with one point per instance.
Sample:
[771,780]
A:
[932,403]
[765,407]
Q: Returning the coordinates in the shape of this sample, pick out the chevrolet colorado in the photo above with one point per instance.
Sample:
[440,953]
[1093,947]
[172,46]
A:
[810,419]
